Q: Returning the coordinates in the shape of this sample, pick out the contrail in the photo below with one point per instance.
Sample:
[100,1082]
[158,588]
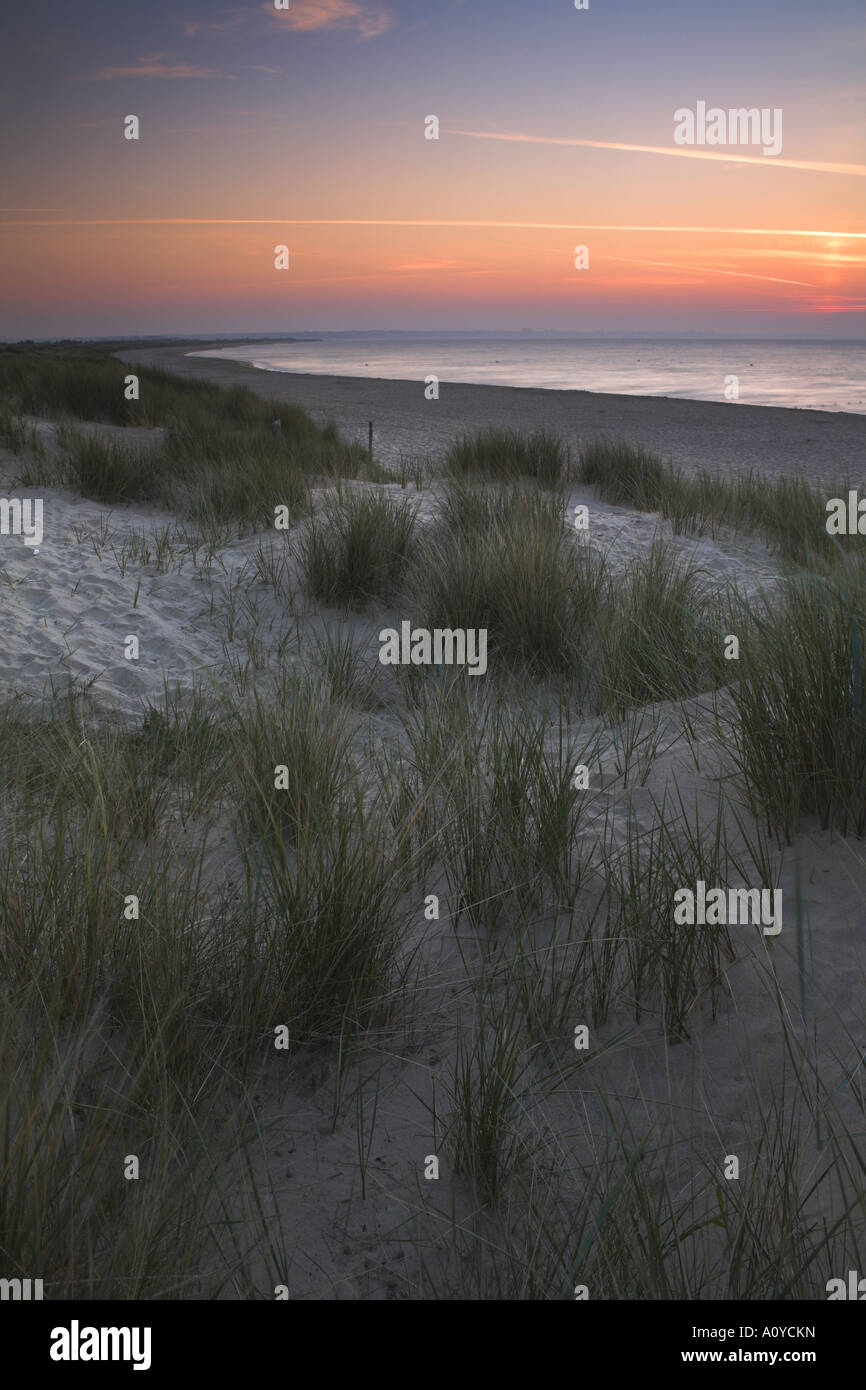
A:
[712,270]
[423,222]
[816,166]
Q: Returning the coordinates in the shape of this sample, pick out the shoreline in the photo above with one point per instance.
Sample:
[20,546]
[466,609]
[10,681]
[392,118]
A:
[699,436]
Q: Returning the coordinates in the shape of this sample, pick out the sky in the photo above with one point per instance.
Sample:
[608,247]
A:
[305,127]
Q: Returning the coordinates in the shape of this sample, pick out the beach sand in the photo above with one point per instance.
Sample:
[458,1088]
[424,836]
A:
[729,437]
[67,610]
[64,604]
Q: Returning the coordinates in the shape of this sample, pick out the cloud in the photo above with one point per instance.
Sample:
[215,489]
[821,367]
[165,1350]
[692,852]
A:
[306,16]
[818,257]
[219,130]
[155,65]
[433,222]
[707,270]
[302,16]
[815,166]
[431,265]
[192,27]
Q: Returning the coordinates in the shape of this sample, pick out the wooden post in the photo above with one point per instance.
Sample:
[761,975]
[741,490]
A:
[370,441]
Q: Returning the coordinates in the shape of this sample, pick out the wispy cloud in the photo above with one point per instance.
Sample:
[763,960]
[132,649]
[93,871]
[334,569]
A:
[306,16]
[452,268]
[369,20]
[675,152]
[223,23]
[430,265]
[154,65]
[835,304]
[709,270]
[218,130]
[438,222]
[818,257]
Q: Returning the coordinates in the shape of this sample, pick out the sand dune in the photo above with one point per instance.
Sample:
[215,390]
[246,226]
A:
[205,617]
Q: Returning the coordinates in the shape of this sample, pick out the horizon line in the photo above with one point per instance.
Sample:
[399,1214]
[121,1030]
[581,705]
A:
[307,334]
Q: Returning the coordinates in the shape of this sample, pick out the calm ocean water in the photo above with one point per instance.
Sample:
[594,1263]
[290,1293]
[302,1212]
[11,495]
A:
[808,375]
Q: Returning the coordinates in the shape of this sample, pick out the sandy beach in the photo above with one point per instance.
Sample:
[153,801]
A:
[229,616]
[728,437]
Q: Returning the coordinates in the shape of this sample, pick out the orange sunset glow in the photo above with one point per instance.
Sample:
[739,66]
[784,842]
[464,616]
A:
[314,133]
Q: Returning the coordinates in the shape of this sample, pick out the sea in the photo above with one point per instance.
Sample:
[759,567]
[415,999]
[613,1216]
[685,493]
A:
[800,375]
